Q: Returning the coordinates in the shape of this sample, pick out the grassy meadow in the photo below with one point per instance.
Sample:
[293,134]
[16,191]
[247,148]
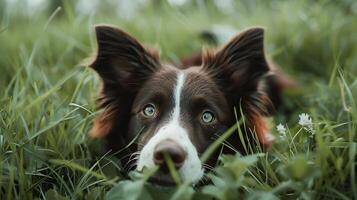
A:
[47,99]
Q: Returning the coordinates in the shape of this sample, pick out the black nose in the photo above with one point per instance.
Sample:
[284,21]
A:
[172,149]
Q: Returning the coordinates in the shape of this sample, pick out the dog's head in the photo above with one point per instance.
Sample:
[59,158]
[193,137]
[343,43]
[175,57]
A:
[178,111]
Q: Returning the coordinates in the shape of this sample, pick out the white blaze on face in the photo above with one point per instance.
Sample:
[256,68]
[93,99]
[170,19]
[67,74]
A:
[191,170]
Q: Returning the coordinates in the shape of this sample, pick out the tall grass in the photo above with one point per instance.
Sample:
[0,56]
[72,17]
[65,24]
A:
[48,102]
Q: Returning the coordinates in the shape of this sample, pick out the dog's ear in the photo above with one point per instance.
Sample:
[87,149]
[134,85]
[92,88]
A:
[123,65]
[240,63]
[122,62]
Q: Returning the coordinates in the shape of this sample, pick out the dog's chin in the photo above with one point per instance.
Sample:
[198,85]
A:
[162,179]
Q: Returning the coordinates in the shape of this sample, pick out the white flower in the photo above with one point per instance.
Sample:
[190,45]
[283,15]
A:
[305,119]
[306,122]
[282,130]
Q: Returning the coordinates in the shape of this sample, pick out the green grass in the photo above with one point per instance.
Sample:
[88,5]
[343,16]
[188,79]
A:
[48,102]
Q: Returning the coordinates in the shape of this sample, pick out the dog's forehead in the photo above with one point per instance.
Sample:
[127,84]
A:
[161,82]
[196,80]
[197,85]
[167,75]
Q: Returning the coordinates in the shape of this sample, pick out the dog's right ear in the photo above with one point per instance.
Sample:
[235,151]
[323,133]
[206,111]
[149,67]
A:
[122,62]
[123,65]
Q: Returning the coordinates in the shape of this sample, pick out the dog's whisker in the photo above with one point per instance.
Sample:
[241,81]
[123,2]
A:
[130,154]
[139,143]
[125,156]
[132,166]
[134,159]
[129,168]
[204,180]
[206,166]
[208,169]
[137,154]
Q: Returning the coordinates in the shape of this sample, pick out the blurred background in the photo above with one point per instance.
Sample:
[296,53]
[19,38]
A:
[47,94]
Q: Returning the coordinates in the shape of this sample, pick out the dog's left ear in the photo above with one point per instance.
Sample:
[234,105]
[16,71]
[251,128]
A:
[240,63]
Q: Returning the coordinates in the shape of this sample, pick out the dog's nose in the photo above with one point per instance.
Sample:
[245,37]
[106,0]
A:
[172,149]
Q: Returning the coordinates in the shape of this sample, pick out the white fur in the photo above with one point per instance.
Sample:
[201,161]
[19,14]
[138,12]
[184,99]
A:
[191,170]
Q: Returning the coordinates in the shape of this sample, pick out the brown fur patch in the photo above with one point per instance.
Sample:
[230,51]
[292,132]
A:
[103,123]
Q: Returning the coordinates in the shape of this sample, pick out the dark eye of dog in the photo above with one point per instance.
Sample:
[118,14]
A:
[149,110]
[207,117]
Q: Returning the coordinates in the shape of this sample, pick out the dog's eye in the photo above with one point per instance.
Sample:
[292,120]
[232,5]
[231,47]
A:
[207,117]
[149,110]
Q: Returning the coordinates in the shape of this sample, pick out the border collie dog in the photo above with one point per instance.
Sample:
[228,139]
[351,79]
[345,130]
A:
[180,110]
